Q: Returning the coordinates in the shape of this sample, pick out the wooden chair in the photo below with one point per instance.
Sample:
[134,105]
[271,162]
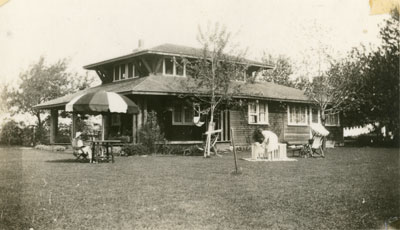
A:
[78,151]
[316,146]
[313,148]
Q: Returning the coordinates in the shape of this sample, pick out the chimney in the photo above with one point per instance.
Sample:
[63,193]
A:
[140,44]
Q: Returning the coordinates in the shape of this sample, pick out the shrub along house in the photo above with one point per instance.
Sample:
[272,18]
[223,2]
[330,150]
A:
[153,80]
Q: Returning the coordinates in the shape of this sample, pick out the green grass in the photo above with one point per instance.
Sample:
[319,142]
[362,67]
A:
[48,190]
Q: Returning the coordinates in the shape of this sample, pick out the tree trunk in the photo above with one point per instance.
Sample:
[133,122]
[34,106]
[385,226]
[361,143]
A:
[324,138]
[210,128]
[39,121]
[39,130]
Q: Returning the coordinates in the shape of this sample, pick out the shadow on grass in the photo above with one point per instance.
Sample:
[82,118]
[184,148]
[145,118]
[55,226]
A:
[68,161]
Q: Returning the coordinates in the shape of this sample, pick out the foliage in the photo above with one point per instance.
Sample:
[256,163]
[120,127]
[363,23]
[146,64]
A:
[173,150]
[11,133]
[3,98]
[28,135]
[150,133]
[282,71]
[213,72]
[57,148]
[378,74]
[135,149]
[300,82]
[185,150]
[193,150]
[63,133]
[17,133]
[41,83]
[337,90]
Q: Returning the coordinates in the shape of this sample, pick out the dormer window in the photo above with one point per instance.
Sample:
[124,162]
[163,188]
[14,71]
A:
[125,71]
[174,66]
[168,66]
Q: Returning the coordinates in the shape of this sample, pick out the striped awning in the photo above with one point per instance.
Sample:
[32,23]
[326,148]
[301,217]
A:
[102,102]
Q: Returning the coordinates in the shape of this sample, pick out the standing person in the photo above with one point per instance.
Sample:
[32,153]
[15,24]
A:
[268,139]
[86,149]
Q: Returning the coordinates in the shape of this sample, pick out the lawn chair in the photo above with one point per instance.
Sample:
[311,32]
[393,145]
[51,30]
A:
[78,151]
[316,146]
[313,148]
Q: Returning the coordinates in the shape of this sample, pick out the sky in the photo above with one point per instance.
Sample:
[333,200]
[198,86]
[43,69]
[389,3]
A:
[89,31]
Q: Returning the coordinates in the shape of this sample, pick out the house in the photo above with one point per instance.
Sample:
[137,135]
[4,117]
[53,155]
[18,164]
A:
[153,79]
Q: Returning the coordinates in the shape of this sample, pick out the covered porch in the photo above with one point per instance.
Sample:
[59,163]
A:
[174,116]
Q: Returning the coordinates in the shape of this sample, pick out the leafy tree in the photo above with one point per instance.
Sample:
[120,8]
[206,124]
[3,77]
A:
[300,82]
[11,133]
[41,83]
[212,74]
[365,84]
[150,133]
[281,73]
[379,97]
[336,90]
[3,98]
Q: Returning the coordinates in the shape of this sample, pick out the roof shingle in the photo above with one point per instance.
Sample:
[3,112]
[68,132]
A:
[171,49]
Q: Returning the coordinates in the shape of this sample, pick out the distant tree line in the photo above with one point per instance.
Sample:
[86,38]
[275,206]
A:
[39,83]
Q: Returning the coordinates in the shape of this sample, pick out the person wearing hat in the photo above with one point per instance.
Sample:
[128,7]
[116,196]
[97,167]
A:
[86,149]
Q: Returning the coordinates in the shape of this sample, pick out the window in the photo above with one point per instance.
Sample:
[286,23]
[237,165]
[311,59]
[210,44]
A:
[258,112]
[332,120]
[122,69]
[297,115]
[182,115]
[168,66]
[174,66]
[116,73]
[315,115]
[125,71]
[131,70]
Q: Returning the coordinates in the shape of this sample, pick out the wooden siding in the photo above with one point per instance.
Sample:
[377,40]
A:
[237,119]
[297,134]
[278,123]
[243,131]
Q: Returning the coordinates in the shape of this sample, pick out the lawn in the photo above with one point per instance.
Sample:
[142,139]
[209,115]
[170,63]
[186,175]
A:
[352,188]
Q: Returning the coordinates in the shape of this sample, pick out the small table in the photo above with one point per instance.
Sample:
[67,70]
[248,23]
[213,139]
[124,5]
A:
[106,144]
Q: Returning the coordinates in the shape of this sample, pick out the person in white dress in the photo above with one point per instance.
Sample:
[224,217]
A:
[268,140]
[86,149]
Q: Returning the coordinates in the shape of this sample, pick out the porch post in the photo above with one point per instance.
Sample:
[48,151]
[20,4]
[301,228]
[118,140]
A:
[105,126]
[134,128]
[73,125]
[139,119]
[53,125]
[144,111]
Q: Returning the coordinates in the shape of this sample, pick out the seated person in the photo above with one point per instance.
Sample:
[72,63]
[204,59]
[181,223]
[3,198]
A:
[86,149]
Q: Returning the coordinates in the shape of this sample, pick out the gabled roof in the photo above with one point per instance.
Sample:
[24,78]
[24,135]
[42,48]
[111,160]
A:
[171,85]
[169,49]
